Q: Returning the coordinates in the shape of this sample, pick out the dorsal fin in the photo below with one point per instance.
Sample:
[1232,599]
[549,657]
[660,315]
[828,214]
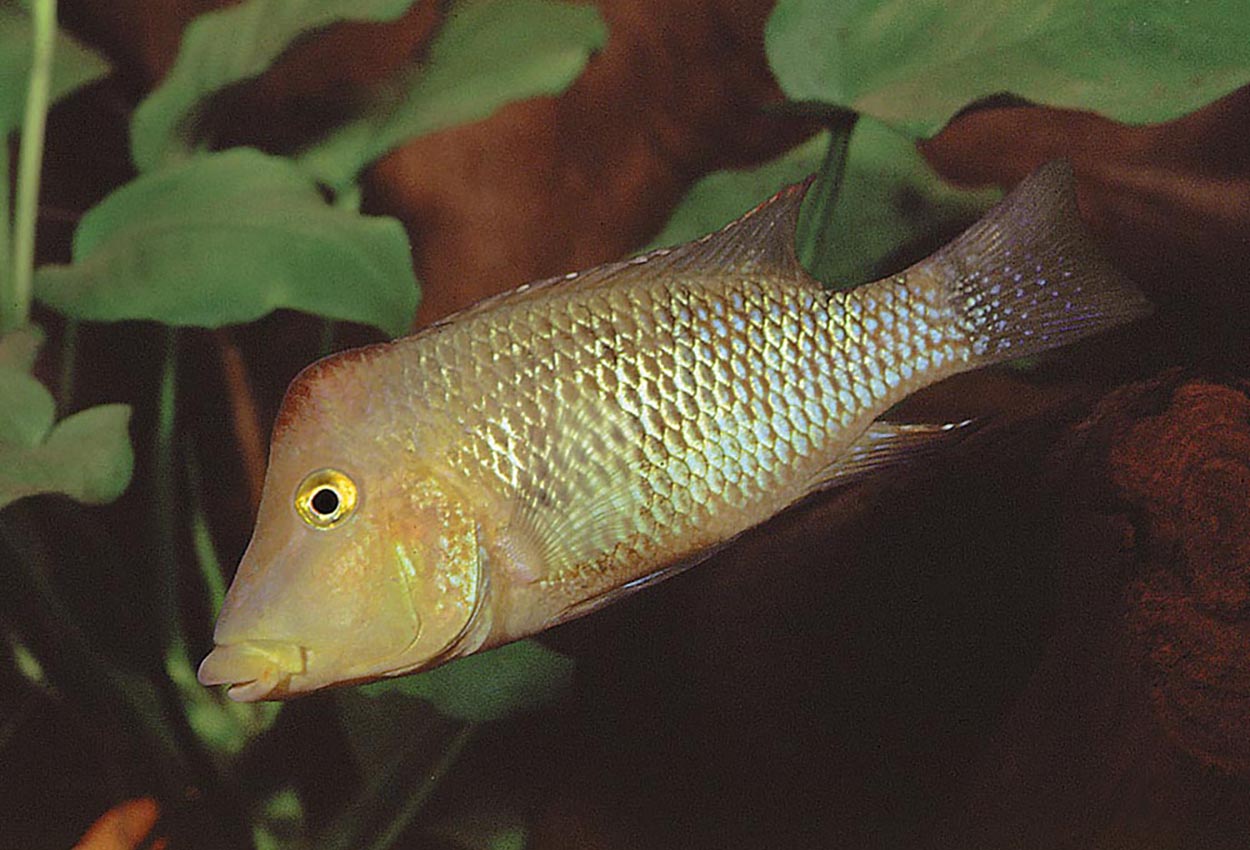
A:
[761,241]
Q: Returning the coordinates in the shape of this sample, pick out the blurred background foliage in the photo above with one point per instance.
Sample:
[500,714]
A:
[207,167]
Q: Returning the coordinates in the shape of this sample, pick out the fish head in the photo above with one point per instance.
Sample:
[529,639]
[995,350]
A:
[360,566]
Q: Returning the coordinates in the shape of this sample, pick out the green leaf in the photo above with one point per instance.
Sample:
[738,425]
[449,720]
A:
[889,198]
[226,238]
[227,46]
[19,347]
[488,686]
[73,66]
[86,456]
[27,410]
[486,55]
[914,63]
[27,664]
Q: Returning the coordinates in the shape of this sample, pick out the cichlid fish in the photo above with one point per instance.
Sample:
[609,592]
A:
[556,447]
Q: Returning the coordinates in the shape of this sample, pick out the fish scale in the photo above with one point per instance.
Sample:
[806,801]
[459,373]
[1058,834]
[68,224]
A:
[734,390]
[557,447]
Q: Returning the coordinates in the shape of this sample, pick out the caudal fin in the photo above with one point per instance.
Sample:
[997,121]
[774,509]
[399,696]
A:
[1028,276]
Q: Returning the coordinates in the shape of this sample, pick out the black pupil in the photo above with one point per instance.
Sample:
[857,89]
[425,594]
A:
[325,501]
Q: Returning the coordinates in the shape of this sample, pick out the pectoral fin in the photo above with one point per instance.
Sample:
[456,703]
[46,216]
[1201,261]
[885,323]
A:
[582,493]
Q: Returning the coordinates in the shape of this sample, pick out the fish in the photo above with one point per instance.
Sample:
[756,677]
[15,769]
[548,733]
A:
[555,448]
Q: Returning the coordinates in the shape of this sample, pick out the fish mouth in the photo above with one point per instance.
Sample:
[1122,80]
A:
[254,669]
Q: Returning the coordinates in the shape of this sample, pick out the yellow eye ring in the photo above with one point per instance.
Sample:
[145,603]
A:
[326,498]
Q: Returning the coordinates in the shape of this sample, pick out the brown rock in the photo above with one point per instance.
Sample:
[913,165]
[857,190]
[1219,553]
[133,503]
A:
[1186,471]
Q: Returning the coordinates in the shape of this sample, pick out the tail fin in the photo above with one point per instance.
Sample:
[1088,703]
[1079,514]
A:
[1028,277]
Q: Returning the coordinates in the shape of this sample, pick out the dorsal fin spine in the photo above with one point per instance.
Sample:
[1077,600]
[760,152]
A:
[760,240]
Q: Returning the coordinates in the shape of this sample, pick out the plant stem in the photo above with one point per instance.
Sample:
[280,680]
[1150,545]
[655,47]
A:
[387,800]
[326,345]
[165,490]
[202,538]
[243,414]
[8,298]
[221,797]
[65,381]
[816,240]
[415,802]
[43,14]
[68,658]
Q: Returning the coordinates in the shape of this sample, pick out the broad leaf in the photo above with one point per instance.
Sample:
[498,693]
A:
[914,63]
[86,456]
[27,410]
[226,46]
[73,65]
[486,55]
[226,238]
[890,198]
[19,348]
[488,686]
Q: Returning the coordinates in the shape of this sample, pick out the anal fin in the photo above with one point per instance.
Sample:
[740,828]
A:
[885,445]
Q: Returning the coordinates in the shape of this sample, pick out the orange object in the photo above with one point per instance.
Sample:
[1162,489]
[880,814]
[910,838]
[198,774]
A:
[124,827]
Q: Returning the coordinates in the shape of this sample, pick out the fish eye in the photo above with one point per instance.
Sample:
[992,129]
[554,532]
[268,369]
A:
[324,502]
[326,498]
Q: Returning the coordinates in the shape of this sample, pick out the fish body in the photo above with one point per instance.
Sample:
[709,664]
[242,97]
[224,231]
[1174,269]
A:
[561,445]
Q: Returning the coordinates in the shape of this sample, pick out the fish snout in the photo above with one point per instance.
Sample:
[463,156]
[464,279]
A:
[254,669]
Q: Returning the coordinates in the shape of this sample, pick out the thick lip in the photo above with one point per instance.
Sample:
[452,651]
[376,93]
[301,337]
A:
[254,669]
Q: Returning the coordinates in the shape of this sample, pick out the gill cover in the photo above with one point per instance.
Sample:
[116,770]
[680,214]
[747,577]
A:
[442,565]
